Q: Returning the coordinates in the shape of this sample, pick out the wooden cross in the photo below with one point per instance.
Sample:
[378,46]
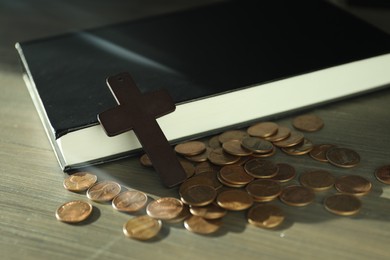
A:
[138,112]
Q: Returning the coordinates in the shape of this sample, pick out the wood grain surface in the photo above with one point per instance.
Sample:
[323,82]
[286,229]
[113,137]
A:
[31,181]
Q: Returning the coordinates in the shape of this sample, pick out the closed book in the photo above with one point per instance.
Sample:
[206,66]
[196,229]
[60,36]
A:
[226,65]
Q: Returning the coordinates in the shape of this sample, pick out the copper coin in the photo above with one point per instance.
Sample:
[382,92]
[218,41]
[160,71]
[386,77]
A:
[263,129]
[286,172]
[232,135]
[200,225]
[296,195]
[319,152]
[165,208]
[202,157]
[188,167]
[214,142]
[234,200]
[265,216]
[263,190]
[309,123]
[206,167]
[383,174]
[103,191]
[227,183]
[199,195]
[260,168]
[318,180]
[185,213]
[294,139]
[142,227]
[145,160]
[234,147]
[257,145]
[343,157]
[300,149]
[211,211]
[219,157]
[79,181]
[282,133]
[211,176]
[190,148]
[130,201]
[74,211]
[196,180]
[235,174]
[353,184]
[343,204]
[264,155]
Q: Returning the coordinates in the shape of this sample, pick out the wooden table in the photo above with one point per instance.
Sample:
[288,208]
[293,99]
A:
[31,181]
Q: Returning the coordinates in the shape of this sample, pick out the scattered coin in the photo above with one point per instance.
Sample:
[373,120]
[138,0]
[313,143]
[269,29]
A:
[202,157]
[343,204]
[353,184]
[260,168]
[201,225]
[309,123]
[343,157]
[257,145]
[319,152]
[296,195]
[265,216]
[142,227]
[234,200]
[205,167]
[235,174]
[317,180]
[199,195]
[188,167]
[214,142]
[286,172]
[185,213]
[294,139]
[263,129]
[302,148]
[282,133]
[263,190]
[234,147]
[145,161]
[130,201]
[165,208]
[103,191]
[79,181]
[383,174]
[74,211]
[211,211]
[232,135]
[219,157]
[196,180]
[264,155]
[190,148]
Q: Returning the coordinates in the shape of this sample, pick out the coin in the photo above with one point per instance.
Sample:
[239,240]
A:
[342,157]
[145,160]
[282,133]
[185,213]
[296,195]
[235,174]
[142,227]
[196,180]
[353,184]
[103,191]
[165,208]
[317,180]
[234,147]
[263,190]
[199,195]
[260,168]
[205,167]
[383,174]
[214,142]
[293,139]
[263,129]
[130,201]
[309,123]
[200,225]
[188,167]
[319,152]
[202,157]
[211,211]
[190,148]
[219,157]
[286,172]
[343,204]
[74,211]
[257,145]
[232,135]
[265,216]
[303,147]
[234,200]
[79,181]
[264,155]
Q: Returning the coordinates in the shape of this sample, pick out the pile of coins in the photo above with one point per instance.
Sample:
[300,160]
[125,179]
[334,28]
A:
[232,172]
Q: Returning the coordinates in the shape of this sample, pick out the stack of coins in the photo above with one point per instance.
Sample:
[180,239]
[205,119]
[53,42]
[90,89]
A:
[232,171]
